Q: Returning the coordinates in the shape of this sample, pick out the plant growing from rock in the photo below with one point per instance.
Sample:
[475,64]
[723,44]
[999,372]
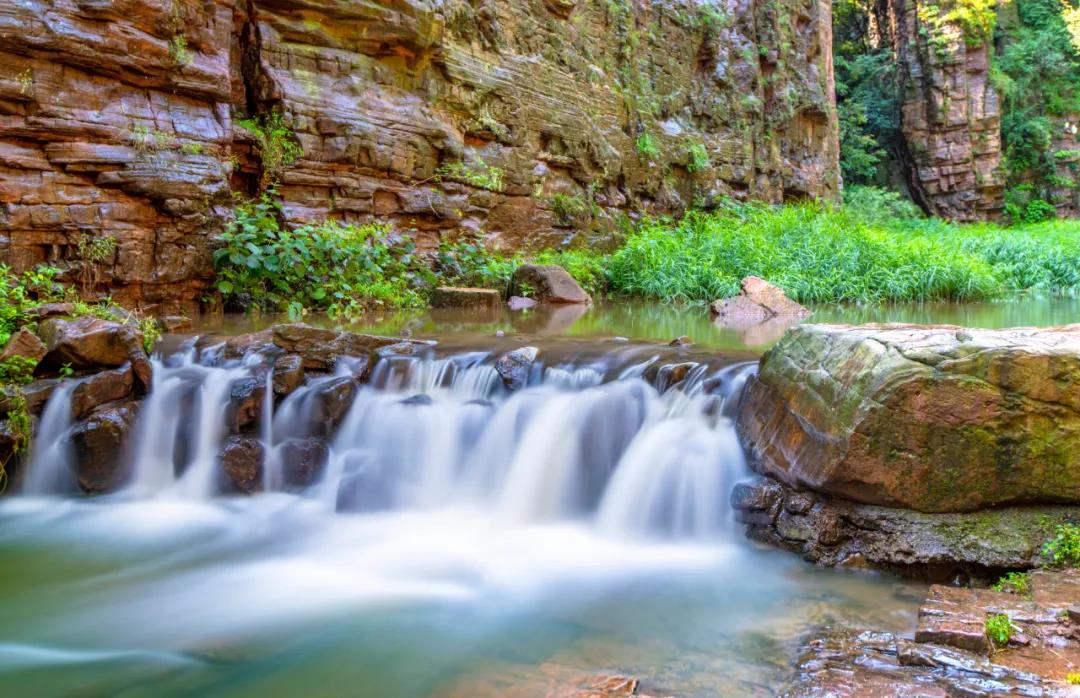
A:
[478,174]
[94,253]
[1063,550]
[999,629]
[1014,583]
[1073,679]
[697,158]
[646,147]
[277,144]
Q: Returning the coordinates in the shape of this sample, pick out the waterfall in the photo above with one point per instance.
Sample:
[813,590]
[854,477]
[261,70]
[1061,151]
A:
[629,445]
[51,457]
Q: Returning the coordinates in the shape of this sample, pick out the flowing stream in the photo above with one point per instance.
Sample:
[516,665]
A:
[460,539]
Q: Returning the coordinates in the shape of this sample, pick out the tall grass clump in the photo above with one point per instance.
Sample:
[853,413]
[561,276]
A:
[816,253]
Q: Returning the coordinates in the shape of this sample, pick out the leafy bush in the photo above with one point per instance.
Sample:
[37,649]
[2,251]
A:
[340,269]
[1063,550]
[19,292]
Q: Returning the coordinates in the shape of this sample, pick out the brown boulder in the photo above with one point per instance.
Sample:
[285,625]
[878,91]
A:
[288,374]
[242,461]
[932,418]
[98,444]
[547,284]
[757,302]
[454,297]
[329,402]
[49,310]
[89,342]
[101,388]
[25,344]
[246,396]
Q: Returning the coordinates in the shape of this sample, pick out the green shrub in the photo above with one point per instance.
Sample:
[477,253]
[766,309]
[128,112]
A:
[17,369]
[1073,679]
[1063,550]
[999,629]
[341,269]
[1014,583]
[646,147]
[697,158]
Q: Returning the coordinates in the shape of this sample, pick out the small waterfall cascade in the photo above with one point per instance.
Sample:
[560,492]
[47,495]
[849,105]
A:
[630,445]
[50,459]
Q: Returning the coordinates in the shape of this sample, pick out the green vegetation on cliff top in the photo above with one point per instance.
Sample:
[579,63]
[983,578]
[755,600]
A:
[875,248]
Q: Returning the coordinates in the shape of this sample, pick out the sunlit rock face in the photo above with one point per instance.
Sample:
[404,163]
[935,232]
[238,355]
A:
[936,419]
[532,122]
[950,112]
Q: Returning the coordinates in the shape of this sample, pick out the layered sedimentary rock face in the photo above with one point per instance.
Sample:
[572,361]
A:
[950,113]
[529,122]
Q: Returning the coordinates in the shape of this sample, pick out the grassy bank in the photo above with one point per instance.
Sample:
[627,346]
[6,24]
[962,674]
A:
[875,248]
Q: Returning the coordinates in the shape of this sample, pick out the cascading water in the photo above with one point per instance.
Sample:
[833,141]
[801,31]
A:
[50,460]
[588,440]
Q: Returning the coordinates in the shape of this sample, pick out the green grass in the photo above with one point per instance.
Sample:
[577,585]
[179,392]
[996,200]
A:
[823,254]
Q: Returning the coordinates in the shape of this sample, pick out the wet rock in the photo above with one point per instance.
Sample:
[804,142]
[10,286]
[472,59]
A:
[91,343]
[547,284]
[605,687]
[454,297]
[330,401]
[288,374]
[101,388]
[303,460]
[757,302]
[246,397]
[319,349]
[9,443]
[521,303]
[242,460]
[49,310]
[175,323]
[932,418]
[419,400]
[937,547]
[37,393]
[681,341]
[514,367]
[664,376]
[239,346]
[24,344]
[951,655]
[98,443]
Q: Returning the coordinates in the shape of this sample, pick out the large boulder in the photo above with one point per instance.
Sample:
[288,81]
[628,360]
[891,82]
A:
[91,343]
[758,301]
[548,283]
[98,444]
[101,388]
[936,419]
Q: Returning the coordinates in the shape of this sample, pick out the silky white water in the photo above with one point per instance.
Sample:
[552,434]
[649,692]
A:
[460,540]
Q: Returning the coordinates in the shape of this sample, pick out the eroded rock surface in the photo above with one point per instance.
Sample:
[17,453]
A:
[950,655]
[935,419]
[939,547]
[534,122]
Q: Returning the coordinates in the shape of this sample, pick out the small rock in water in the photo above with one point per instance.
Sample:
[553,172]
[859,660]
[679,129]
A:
[681,341]
[514,367]
[520,303]
[419,399]
[549,284]
[758,301]
[620,339]
[500,333]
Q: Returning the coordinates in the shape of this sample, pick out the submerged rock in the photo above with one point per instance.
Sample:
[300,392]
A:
[514,367]
[547,284]
[939,547]
[932,418]
[455,297]
[98,445]
[242,461]
[757,302]
[521,303]
[320,349]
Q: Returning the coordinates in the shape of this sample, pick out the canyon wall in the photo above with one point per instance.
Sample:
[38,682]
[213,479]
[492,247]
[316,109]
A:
[950,114]
[531,123]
